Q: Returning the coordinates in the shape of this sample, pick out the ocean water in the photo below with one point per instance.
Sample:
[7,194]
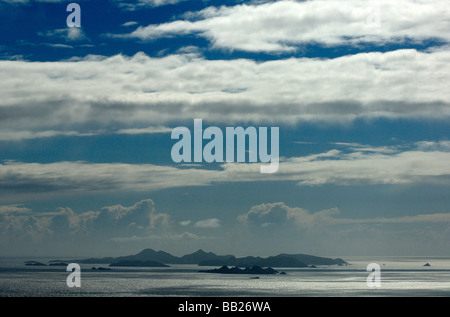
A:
[400,276]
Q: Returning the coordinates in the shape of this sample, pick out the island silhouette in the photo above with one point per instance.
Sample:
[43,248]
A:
[236,270]
[152,258]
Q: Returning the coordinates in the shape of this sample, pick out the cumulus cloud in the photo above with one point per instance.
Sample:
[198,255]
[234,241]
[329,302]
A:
[275,214]
[356,147]
[283,25]
[108,230]
[279,214]
[22,225]
[141,216]
[97,94]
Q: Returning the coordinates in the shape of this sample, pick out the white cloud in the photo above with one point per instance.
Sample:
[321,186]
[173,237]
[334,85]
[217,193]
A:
[185,223]
[277,225]
[419,219]
[129,23]
[282,25]
[69,34]
[106,231]
[356,147]
[276,214]
[85,177]
[28,135]
[208,223]
[149,130]
[355,168]
[157,3]
[165,236]
[58,45]
[131,5]
[443,145]
[101,94]
[141,219]
[279,214]
[14,209]
[333,167]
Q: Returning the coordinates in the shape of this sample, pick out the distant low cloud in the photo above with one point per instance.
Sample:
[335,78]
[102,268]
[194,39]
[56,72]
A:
[416,219]
[208,223]
[279,214]
[21,225]
[14,209]
[276,214]
[267,226]
[168,236]
[63,231]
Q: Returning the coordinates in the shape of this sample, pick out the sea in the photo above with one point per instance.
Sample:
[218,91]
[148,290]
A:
[399,276]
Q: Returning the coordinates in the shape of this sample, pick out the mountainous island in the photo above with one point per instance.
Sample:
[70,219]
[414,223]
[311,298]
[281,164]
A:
[152,258]
[34,263]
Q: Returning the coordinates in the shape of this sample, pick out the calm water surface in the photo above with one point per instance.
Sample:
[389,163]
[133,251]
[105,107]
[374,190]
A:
[401,276]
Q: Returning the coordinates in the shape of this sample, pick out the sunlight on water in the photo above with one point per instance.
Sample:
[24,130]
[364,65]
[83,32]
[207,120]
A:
[400,277]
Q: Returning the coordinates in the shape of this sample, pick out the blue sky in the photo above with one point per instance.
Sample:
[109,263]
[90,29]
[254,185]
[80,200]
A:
[359,90]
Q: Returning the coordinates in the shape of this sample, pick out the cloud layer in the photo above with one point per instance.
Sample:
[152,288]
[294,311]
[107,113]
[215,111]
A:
[279,226]
[268,228]
[283,25]
[97,94]
[65,228]
[364,166]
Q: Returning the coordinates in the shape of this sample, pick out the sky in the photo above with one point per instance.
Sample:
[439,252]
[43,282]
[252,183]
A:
[358,90]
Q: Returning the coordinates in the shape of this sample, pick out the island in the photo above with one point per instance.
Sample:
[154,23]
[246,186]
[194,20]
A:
[34,263]
[101,268]
[236,270]
[202,258]
[58,264]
